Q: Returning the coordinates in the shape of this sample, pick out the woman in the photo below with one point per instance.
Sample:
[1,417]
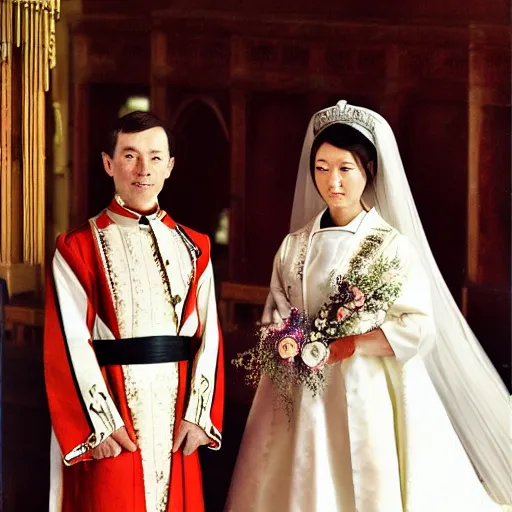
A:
[412,410]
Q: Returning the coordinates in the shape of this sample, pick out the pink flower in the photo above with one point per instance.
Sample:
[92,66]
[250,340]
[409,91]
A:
[341,313]
[287,348]
[359,297]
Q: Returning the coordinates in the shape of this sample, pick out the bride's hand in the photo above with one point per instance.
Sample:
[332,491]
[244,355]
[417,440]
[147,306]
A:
[373,344]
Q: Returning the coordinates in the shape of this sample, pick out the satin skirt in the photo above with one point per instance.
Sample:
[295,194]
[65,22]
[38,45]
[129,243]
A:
[377,439]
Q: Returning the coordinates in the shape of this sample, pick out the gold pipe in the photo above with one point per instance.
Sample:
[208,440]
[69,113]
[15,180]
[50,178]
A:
[44,87]
[25,136]
[37,132]
[6,29]
[27,171]
[30,24]
[30,134]
[18,24]
[35,136]
[25,109]
[39,186]
[53,54]
[3,33]
[46,44]
[33,170]
[41,131]
[5,141]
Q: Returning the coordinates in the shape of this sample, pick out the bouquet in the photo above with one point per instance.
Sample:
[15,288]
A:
[296,352]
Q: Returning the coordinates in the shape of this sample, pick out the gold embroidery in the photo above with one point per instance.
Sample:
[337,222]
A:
[99,405]
[145,306]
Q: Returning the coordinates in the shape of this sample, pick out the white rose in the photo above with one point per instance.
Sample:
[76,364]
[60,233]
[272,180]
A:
[320,323]
[315,354]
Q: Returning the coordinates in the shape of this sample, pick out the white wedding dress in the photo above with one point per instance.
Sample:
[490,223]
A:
[378,439]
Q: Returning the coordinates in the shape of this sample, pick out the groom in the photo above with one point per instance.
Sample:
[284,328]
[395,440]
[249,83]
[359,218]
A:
[132,351]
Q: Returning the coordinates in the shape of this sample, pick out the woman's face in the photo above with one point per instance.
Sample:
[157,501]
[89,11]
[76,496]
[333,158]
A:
[339,177]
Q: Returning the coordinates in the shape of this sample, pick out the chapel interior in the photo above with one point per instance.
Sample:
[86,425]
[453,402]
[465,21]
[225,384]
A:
[237,81]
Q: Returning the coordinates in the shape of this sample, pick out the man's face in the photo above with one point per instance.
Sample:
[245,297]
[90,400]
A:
[140,165]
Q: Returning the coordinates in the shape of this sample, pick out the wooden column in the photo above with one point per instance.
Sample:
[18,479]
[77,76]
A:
[158,94]
[487,301]
[237,252]
[81,108]
[396,94]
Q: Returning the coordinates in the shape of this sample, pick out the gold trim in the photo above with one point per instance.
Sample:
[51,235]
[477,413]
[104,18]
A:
[29,25]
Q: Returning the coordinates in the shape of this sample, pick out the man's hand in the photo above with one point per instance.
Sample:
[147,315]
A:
[114,445]
[193,436]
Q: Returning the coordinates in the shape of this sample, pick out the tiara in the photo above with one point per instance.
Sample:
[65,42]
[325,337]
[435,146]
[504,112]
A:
[343,113]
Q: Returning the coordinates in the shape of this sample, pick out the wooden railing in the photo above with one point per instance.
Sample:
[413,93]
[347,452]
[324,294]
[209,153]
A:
[232,295]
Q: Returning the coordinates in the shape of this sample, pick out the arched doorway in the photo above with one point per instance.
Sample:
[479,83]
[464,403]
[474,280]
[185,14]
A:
[198,192]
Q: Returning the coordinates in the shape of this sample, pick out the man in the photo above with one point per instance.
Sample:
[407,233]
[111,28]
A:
[133,353]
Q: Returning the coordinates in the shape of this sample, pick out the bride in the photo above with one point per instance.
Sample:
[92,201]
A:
[413,416]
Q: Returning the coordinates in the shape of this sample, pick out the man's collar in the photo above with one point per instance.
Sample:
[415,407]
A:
[118,207]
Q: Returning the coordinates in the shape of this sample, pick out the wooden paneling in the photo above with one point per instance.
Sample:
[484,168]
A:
[238,196]
[453,12]
[115,49]
[487,290]
[494,197]
[275,132]
[433,142]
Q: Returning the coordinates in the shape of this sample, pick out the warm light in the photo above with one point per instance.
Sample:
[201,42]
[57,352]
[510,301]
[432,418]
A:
[134,103]
[222,232]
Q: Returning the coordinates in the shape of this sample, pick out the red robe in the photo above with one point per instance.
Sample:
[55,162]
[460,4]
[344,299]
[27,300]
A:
[87,403]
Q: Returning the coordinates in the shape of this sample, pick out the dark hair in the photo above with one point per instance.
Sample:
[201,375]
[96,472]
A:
[345,137]
[136,122]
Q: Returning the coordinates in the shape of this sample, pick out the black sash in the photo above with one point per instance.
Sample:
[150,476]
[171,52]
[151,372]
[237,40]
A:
[142,350]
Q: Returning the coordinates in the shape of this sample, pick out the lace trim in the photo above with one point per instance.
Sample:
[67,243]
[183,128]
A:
[303,248]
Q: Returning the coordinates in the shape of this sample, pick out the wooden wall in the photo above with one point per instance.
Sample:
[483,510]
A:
[488,279]
[452,12]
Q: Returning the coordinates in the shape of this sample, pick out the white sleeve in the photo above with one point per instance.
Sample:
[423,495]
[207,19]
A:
[277,305]
[204,373]
[409,325]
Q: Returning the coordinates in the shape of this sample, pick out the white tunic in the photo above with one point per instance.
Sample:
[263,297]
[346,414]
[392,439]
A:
[378,438]
[142,300]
